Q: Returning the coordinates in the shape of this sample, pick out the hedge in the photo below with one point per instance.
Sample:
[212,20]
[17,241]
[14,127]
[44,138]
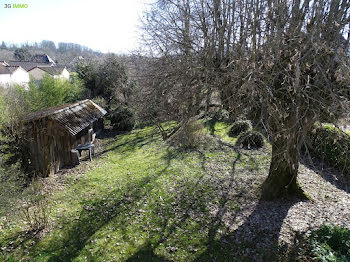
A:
[330,144]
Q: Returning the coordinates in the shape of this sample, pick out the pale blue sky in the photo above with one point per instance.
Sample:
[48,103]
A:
[105,25]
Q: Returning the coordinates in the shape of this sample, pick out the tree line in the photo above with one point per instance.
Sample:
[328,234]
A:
[63,53]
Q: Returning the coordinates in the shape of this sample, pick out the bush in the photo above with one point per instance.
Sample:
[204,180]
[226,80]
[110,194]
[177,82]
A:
[222,116]
[330,243]
[122,119]
[12,182]
[188,136]
[100,101]
[330,144]
[50,92]
[34,207]
[250,139]
[239,127]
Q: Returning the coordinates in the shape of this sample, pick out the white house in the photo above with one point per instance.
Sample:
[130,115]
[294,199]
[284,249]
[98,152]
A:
[10,75]
[38,73]
[20,72]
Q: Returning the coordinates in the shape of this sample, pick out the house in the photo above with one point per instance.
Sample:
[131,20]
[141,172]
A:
[10,75]
[36,68]
[38,73]
[53,133]
[28,65]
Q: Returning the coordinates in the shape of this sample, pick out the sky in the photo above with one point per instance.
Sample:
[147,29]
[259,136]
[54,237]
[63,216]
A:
[103,25]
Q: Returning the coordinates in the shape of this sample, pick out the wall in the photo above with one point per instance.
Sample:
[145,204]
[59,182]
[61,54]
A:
[5,80]
[50,144]
[65,74]
[37,73]
[21,77]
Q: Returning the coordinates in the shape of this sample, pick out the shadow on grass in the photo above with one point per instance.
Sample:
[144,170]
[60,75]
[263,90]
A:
[255,240]
[146,254]
[200,214]
[332,175]
[210,124]
[136,140]
[17,239]
[96,214]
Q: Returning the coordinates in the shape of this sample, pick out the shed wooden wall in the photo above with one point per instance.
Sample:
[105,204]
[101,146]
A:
[50,144]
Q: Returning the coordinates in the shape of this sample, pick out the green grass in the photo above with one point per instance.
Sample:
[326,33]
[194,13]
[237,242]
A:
[140,201]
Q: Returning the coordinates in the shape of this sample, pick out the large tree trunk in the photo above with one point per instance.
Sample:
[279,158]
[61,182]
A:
[282,178]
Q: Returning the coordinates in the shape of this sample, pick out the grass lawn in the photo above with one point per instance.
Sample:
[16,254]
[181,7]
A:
[141,200]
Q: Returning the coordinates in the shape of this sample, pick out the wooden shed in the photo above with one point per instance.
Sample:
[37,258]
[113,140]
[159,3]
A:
[54,132]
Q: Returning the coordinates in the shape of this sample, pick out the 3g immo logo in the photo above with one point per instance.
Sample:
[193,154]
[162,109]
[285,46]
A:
[15,6]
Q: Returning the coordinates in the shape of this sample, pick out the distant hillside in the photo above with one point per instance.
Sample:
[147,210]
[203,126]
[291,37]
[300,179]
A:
[68,54]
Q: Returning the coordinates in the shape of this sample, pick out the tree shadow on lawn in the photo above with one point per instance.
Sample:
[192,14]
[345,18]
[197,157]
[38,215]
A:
[255,240]
[210,124]
[136,139]
[147,254]
[198,209]
[330,174]
[96,214]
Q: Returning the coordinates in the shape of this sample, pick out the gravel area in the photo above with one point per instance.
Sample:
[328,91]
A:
[266,224]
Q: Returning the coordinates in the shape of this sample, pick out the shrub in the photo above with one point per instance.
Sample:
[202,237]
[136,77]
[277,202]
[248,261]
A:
[12,182]
[53,92]
[330,243]
[34,207]
[331,145]
[100,101]
[222,115]
[239,127]
[122,119]
[250,139]
[188,136]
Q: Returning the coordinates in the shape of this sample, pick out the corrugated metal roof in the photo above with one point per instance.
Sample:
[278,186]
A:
[72,117]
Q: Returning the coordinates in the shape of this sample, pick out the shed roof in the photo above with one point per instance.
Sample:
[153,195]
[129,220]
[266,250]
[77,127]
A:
[72,117]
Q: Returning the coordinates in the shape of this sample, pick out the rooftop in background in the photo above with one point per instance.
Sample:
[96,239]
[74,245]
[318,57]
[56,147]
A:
[5,70]
[52,70]
[37,61]
[28,65]
[43,58]
[71,117]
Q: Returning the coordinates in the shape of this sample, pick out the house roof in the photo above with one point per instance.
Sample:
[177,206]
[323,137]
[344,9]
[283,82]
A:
[12,69]
[28,65]
[54,70]
[42,58]
[72,117]
[4,70]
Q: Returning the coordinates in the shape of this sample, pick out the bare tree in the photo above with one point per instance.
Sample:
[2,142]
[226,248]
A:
[285,61]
